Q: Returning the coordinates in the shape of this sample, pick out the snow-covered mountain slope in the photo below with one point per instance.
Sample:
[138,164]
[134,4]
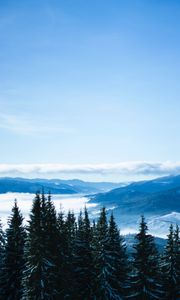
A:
[55,186]
[160,224]
[158,200]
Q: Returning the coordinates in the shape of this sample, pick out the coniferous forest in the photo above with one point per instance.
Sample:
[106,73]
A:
[56,256]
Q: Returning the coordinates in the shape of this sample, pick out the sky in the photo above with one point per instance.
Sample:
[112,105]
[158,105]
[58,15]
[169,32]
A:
[89,89]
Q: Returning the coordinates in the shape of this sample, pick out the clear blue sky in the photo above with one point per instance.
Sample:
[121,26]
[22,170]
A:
[93,81]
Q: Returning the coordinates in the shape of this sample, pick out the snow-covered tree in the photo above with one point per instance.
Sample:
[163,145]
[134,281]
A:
[69,234]
[35,276]
[84,275]
[145,278]
[14,256]
[117,259]
[51,247]
[171,265]
[62,245]
[2,258]
[104,263]
[177,259]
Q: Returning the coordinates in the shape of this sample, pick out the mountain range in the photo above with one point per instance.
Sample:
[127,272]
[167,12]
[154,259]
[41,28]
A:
[55,186]
[160,195]
[158,200]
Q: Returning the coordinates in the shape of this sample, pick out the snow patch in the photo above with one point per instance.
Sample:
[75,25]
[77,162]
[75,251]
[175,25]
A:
[159,225]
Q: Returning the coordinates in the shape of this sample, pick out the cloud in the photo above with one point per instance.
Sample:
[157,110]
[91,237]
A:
[133,168]
[25,126]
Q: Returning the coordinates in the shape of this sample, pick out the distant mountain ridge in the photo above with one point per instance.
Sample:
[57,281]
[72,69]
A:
[158,200]
[159,195]
[131,241]
[55,186]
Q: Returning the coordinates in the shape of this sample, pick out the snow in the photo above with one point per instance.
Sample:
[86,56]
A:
[159,225]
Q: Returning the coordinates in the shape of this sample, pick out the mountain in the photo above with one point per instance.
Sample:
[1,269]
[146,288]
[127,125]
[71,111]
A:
[20,185]
[156,199]
[160,195]
[134,202]
[55,186]
[131,241]
[160,224]
[92,186]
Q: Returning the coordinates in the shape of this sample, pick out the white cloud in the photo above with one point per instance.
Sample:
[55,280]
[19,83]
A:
[24,125]
[133,168]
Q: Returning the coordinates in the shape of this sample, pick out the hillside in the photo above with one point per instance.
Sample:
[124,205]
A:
[55,186]
[158,200]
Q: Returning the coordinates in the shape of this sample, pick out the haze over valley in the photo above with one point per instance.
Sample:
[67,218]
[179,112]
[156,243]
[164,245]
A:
[158,200]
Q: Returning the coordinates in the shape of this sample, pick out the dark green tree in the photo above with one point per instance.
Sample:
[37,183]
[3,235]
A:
[51,247]
[117,259]
[42,269]
[177,259]
[83,260]
[2,258]
[145,278]
[170,269]
[104,263]
[35,279]
[62,243]
[14,256]
[69,234]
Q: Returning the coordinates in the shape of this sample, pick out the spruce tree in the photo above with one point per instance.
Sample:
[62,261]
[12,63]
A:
[145,278]
[117,259]
[62,244]
[70,229]
[51,249]
[50,243]
[177,259]
[14,256]
[41,276]
[35,279]
[104,263]
[83,260]
[171,265]
[2,258]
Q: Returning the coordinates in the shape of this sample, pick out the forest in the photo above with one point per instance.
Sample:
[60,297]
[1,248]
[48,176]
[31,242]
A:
[57,256]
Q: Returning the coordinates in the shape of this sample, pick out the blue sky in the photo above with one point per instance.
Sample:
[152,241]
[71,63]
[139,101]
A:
[89,82]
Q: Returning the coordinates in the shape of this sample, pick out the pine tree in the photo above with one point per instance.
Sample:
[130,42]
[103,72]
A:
[37,265]
[62,243]
[171,265]
[177,259]
[145,279]
[14,256]
[51,250]
[83,260]
[2,258]
[41,276]
[103,262]
[70,229]
[117,259]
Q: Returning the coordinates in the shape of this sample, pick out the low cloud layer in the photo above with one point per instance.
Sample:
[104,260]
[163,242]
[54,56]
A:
[123,169]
